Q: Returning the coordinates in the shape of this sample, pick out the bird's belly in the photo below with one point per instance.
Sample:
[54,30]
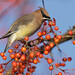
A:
[26,31]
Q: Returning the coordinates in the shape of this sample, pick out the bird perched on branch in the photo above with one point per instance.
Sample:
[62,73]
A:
[26,25]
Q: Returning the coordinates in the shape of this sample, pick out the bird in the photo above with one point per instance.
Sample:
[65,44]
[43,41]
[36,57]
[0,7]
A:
[26,25]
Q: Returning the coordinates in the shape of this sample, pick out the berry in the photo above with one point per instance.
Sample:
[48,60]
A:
[41,55]
[51,45]
[44,23]
[10,50]
[2,54]
[35,61]
[62,64]
[64,59]
[59,37]
[56,40]
[38,53]
[48,37]
[17,55]
[26,38]
[69,58]
[47,48]
[56,28]
[4,57]
[73,42]
[23,57]
[39,34]
[59,73]
[16,46]
[56,64]
[70,32]
[44,33]
[51,68]
[23,49]
[14,64]
[31,55]
[46,52]
[12,56]
[49,60]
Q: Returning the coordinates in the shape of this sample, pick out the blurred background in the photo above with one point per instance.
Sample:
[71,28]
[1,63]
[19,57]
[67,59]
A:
[62,10]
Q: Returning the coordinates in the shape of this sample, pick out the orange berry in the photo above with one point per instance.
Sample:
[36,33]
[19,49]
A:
[41,55]
[51,68]
[2,54]
[38,53]
[49,60]
[17,55]
[23,49]
[23,57]
[69,58]
[12,56]
[56,64]
[56,40]
[70,32]
[35,61]
[46,52]
[56,28]
[47,48]
[59,73]
[48,37]
[10,50]
[39,34]
[1,73]
[4,57]
[73,42]
[14,64]
[31,54]
[44,33]
[64,59]
[16,46]
[51,45]
[26,38]
[59,37]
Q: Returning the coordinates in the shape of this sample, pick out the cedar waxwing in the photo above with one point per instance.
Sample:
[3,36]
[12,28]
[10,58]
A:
[26,25]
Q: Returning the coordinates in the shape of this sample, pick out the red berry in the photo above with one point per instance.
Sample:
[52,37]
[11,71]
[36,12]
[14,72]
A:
[51,45]
[4,57]
[41,55]
[51,68]
[10,50]
[35,61]
[16,46]
[59,73]
[62,64]
[38,53]
[49,60]
[47,48]
[56,64]
[44,23]
[46,52]
[39,34]
[23,57]
[17,55]
[31,55]
[64,59]
[74,42]
[56,40]
[26,38]
[48,37]
[14,64]
[59,37]
[56,28]
[44,33]
[69,58]
[2,54]
[12,56]
[70,32]
[23,49]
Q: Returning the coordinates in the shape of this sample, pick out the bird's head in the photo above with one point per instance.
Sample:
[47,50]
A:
[45,14]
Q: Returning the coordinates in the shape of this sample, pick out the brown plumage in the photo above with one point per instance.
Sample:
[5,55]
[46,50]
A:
[26,25]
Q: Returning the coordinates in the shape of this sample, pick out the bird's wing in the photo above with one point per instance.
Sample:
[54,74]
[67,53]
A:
[24,20]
